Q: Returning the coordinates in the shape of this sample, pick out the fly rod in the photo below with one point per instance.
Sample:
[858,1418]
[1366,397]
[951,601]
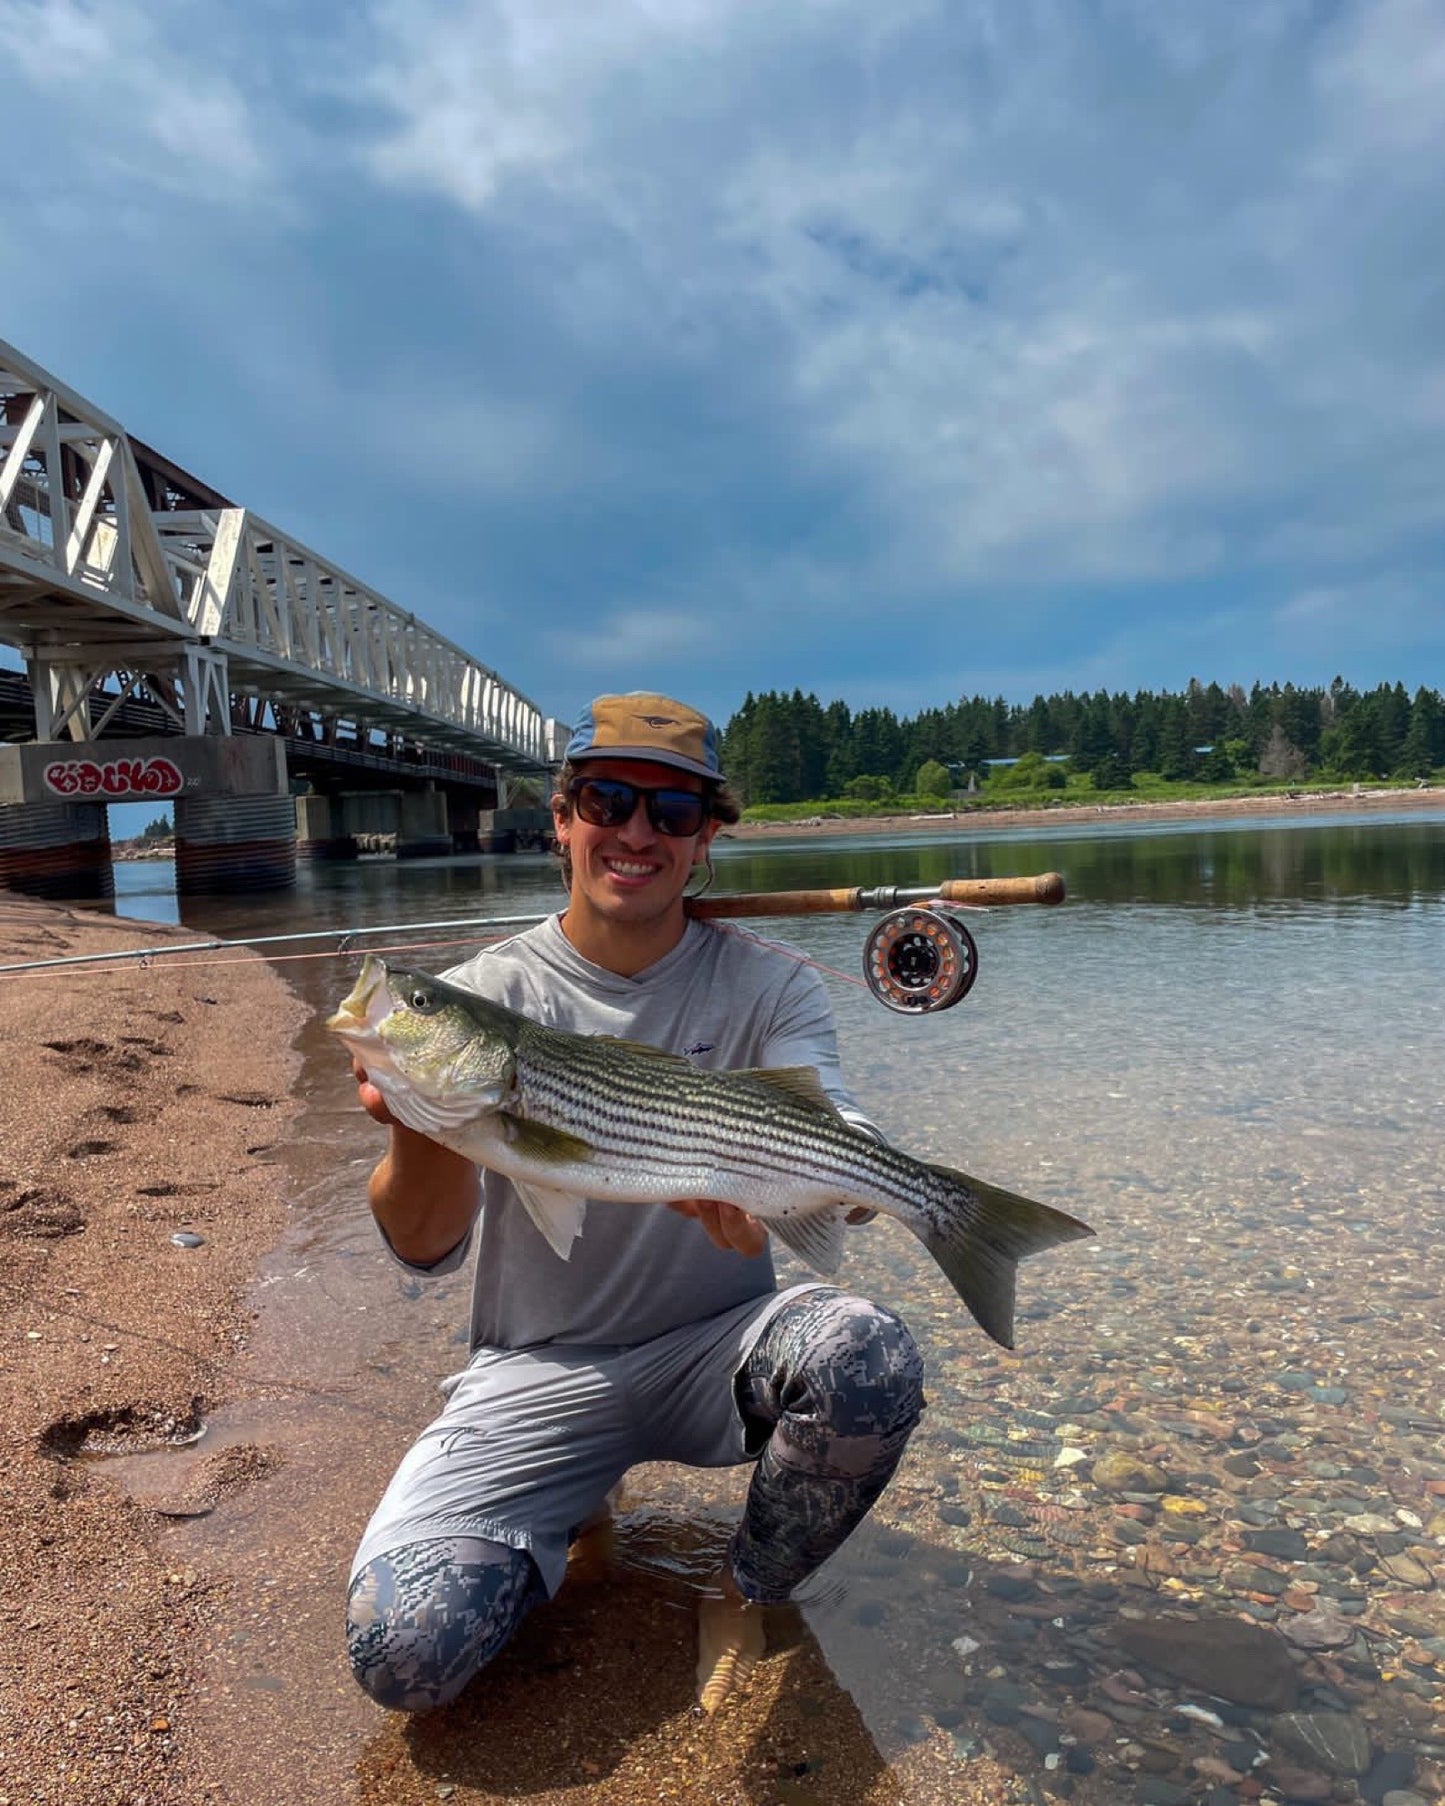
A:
[919,958]
[975,893]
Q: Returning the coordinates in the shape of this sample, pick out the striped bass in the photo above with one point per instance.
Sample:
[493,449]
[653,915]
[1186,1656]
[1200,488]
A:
[570,1117]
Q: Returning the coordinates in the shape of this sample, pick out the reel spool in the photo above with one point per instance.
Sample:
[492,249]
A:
[920,960]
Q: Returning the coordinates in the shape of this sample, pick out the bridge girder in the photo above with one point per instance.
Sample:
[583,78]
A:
[113,561]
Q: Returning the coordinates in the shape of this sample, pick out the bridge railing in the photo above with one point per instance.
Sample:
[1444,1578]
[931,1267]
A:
[73,508]
[217,585]
[266,600]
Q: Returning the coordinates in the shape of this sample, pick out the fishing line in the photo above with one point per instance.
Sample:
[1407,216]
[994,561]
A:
[145,959]
[144,962]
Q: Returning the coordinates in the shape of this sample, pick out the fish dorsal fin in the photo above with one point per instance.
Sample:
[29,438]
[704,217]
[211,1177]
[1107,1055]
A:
[556,1214]
[815,1236]
[800,1082]
[643,1049]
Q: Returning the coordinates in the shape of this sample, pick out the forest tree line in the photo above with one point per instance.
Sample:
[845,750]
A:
[781,748]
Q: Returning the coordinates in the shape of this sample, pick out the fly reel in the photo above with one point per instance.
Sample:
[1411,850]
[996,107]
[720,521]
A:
[919,960]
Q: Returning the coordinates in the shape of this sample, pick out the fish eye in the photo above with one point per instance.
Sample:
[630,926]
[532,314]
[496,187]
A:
[422,1000]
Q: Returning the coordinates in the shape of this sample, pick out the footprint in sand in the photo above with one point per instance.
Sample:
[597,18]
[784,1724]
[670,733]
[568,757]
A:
[43,1213]
[224,1473]
[82,1055]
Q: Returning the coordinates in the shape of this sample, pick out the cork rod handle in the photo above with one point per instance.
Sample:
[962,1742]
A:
[1045,887]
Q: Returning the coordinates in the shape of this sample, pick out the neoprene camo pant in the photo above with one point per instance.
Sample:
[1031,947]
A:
[838,1382]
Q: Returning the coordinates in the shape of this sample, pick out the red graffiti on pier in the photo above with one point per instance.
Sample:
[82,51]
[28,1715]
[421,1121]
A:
[115,778]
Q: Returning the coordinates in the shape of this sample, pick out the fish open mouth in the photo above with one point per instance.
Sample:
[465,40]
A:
[357,1013]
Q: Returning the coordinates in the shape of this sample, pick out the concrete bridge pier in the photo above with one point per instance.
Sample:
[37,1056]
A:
[234,815]
[422,828]
[320,830]
[234,844]
[413,824]
[56,850]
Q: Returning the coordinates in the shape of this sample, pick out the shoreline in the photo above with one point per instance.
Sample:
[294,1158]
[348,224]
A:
[1306,802]
[145,1102]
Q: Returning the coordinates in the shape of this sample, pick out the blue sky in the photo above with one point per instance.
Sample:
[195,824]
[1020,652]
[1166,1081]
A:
[893,352]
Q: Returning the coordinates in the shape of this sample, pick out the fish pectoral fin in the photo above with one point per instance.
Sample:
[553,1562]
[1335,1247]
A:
[540,1141]
[801,1082]
[815,1236]
[557,1215]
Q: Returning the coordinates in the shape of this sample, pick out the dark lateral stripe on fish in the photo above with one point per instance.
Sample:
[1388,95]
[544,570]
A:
[636,1095]
[656,1134]
[635,1116]
[648,1142]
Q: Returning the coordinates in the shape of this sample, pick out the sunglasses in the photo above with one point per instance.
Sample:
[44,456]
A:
[610,803]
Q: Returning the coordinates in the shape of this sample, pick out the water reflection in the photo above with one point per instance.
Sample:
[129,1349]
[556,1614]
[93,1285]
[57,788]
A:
[1212,866]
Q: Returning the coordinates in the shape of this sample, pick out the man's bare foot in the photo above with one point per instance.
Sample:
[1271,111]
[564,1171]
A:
[591,1551]
[729,1643]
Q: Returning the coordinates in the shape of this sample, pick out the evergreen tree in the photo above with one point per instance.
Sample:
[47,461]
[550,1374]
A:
[1176,744]
[1091,740]
[1423,748]
[1392,723]
[789,748]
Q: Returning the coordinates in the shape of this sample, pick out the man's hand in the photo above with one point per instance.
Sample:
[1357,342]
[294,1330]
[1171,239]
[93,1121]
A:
[372,1101]
[726,1226]
[422,1194]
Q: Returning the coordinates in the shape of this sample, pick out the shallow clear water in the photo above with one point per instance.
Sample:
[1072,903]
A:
[1224,1051]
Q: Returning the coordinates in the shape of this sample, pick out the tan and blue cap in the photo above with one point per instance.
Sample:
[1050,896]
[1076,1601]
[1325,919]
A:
[644,725]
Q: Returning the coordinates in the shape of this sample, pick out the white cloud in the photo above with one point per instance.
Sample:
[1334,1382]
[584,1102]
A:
[1382,76]
[701,329]
[1024,272]
[478,92]
[638,640]
[147,97]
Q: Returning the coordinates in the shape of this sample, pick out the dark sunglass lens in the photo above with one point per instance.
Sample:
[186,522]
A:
[676,812]
[609,803]
[605,802]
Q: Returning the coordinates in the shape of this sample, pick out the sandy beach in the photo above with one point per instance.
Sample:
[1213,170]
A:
[141,1104]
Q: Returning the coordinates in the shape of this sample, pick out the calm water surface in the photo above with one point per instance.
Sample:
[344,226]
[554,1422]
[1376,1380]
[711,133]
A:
[1224,1051]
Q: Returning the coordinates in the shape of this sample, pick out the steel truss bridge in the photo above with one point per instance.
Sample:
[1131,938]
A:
[126,581]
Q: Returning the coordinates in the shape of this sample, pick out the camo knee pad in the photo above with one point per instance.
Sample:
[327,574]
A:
[841,1381]
[423,1619]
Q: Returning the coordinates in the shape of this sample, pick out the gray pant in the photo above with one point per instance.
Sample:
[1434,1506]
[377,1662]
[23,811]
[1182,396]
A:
[826,1394]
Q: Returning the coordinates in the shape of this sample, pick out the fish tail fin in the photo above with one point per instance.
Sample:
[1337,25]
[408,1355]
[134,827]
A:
[980,1245]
